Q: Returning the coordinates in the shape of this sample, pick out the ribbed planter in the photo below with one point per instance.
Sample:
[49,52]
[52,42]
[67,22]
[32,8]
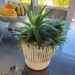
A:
[36,59]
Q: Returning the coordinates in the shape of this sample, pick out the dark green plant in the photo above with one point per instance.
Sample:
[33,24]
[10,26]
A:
[40,30]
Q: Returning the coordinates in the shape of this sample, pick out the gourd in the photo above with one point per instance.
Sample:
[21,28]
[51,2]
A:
[7,12]
[21,10]
[9,6]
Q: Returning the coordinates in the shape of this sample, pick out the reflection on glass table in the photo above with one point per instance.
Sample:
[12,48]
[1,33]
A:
[69,46]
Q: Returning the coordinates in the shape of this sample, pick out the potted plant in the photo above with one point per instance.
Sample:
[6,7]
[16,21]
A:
[38,38]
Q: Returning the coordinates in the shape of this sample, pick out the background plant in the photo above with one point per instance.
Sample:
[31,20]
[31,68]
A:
[61,3]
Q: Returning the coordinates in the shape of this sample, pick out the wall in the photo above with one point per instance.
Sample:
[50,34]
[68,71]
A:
[57,13]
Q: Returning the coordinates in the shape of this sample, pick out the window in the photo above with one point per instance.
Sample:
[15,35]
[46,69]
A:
[45,2]
[61,3]
[25,1]
[57,3]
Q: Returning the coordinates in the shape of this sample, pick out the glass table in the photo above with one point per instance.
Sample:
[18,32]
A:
[62,62]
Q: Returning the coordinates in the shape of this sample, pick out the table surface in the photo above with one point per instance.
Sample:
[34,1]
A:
[62,63]
[69,47]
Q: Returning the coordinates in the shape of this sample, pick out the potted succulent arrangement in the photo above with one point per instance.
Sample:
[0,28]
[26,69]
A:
[39,36]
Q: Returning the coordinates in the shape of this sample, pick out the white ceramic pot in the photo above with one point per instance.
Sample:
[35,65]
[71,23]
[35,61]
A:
[37,59]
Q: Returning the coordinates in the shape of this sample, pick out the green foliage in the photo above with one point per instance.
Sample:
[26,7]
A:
[40,30]
[61,3]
